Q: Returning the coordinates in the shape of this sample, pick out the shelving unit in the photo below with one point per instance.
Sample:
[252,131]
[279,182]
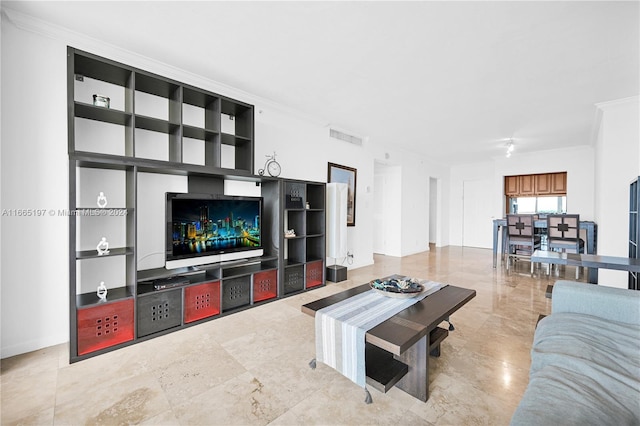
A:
[634,229]
[304,253]
[156,126]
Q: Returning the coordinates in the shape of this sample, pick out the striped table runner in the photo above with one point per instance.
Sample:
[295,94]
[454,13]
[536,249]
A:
[341,328]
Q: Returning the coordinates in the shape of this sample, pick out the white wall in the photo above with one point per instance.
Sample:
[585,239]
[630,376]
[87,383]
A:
[617,149]
[409,208]
[35,251]
[459,174]
[415,205]
[433,212]
[303,150]
[388,196]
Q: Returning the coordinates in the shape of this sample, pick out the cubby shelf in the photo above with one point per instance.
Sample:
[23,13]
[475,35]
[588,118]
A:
[90,254]
[304,254]
[156,124]
[91,112]
[245,270]
[90,299]
[156,128]
[234,140]
[198,133]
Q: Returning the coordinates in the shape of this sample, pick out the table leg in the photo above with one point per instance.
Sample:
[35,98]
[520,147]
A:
[505,241]
[495,243]
[416,382]
[592,273]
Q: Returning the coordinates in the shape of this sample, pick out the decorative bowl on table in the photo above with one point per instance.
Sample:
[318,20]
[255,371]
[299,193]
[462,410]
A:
[398,287]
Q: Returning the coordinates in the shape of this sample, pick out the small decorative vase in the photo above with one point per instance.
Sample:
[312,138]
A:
[101,201]
[103,247]
[101,101]
[102,291]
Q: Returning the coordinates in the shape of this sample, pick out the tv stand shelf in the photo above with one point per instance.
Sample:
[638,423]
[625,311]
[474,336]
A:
[238,271]
[160,136]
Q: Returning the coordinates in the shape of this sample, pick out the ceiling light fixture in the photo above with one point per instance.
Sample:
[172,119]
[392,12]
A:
[510,148]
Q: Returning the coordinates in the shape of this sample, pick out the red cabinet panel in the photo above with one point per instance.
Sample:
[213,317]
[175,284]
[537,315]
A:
[265,285]
[314,274]
[104,325]
[201,301]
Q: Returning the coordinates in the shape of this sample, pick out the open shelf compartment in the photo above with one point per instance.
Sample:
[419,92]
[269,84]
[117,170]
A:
[382,369]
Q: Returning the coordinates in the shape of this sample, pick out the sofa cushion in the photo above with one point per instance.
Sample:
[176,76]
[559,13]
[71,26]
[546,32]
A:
[584,370]
[616,304]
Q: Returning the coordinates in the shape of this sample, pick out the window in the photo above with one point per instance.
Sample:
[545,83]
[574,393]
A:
[538,205]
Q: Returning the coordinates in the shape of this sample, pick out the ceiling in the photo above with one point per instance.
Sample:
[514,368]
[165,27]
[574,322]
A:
[451,80]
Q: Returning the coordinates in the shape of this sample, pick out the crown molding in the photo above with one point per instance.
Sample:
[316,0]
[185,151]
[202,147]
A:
[116,53]
[616,102]
[601,107]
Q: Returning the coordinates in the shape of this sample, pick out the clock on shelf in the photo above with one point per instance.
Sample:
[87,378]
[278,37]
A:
[271,166]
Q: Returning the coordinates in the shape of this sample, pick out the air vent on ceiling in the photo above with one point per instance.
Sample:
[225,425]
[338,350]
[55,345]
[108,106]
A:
[337,134]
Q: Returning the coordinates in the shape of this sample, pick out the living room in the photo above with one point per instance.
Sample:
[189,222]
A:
[599,165]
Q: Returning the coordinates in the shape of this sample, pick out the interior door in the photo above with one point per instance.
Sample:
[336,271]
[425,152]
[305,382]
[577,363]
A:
[476,210]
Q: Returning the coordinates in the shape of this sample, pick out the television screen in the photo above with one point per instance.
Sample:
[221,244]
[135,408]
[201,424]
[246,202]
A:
[202,225]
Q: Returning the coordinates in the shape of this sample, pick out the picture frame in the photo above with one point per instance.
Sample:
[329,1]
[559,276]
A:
[348,175]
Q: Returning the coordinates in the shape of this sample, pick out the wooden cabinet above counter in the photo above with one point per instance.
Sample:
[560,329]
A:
[535,185]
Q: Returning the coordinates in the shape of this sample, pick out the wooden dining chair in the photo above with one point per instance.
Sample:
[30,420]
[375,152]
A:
[522,238]
[563,234]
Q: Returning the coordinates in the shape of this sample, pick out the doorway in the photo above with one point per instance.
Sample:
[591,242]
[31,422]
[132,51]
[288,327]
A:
[477,215]
[387,221]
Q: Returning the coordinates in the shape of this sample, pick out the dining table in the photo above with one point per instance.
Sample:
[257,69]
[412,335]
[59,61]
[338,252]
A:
[591,261]
[590,227]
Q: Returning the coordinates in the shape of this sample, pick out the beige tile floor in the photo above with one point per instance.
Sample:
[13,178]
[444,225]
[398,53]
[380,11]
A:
[252,367]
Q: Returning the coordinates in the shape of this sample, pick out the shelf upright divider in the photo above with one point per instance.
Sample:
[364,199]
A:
[212,141]
[131,232]
[175,116]
[129,106]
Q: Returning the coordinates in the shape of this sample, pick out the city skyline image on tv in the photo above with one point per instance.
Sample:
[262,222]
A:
[207,226]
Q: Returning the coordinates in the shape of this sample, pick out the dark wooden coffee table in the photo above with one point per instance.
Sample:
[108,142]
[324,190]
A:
[397,350]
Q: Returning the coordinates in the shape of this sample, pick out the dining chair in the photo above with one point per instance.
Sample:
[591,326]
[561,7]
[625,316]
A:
[522,238]
[563,234]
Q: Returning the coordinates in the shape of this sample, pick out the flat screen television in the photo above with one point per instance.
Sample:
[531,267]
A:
[211,228]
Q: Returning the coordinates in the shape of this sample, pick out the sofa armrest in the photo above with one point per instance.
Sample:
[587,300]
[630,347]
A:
[614,304]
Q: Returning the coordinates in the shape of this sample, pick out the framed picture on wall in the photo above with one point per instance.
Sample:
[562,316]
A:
[344,174]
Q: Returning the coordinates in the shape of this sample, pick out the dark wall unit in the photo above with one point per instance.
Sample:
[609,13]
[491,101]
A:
[153,126]
[303,255]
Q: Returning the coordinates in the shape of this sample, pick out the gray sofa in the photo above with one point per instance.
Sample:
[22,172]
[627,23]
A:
[585,359]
